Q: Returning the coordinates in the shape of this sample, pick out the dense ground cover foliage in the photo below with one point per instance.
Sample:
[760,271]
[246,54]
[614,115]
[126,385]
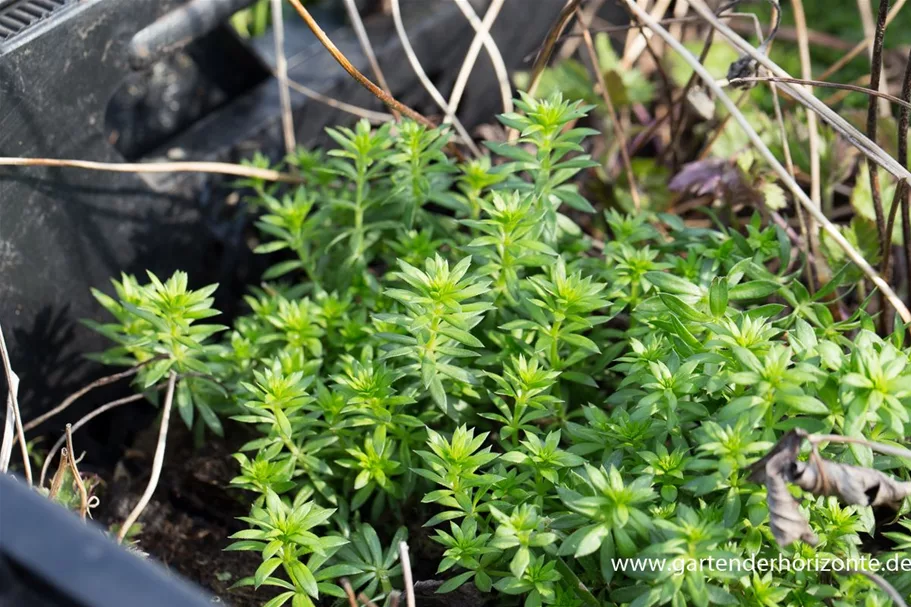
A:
[443,341]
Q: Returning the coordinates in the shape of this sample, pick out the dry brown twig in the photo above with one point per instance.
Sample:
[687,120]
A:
[550,41]
[821,84]
[763,149]
[157,462]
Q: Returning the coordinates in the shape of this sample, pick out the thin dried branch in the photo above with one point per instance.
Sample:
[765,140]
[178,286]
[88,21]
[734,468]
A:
[612,113]
[871,30]
[103,381]
[218,168]
[550,42]
[482,37]
[406,574]
[829,85]
[13,417]
[365,600]
[81,422]
[424,79]
[861,46]
[77,477]
[349,592]
[364,40]
[371,115]
[157,462]
[762,148]
[379,93]
[281,67]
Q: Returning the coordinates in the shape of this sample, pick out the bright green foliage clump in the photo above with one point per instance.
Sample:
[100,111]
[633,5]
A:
[443,345]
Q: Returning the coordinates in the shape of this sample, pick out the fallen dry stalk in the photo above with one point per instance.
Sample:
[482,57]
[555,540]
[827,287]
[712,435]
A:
[861,46]
[364,40]
[547,50]
[406,574]
[157,462]
[482,37]
[103,381]
[219,168]
[763,149]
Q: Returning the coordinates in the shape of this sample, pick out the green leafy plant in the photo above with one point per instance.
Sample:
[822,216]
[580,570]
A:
[442,345]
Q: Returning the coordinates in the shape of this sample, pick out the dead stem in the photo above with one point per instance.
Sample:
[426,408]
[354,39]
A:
[349,592]
[550,41]
[406,574]
[483,38]
[372,116]
[829,85]
[77,477]
[104,381]
[281,68]
[219,168]
[379,93]
[612,114]
[81,422]
[13,416]
[157,462]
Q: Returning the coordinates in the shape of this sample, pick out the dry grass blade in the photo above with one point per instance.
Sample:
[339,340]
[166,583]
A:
[104,381]
[379,93]
[482,37]
[281,67]
[612,113]
[77,477]
[861,46]
[157,462]
[81,422]
[424,79]
[763,149]
[903,120]
[637,45]
[13,417]
[406,574]
[219,168]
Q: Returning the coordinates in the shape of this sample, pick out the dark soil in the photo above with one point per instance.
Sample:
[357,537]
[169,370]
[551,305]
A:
[187,524]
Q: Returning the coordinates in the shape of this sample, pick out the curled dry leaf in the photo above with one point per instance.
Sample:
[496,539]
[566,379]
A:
[717,177]
[773,471]
[853,485]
